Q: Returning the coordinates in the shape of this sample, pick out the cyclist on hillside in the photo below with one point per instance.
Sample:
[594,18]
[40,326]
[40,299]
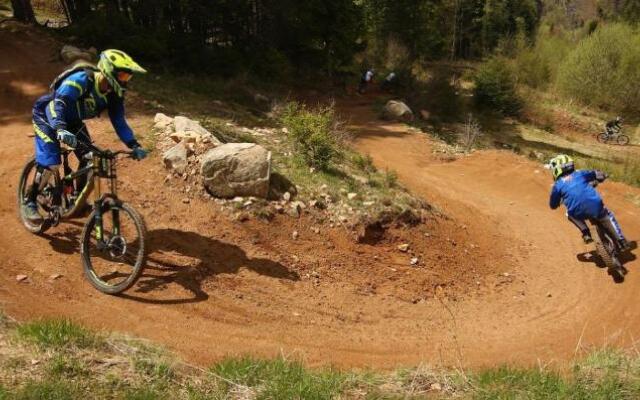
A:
[80,93]
[576,190]
[613,127]
[365,80]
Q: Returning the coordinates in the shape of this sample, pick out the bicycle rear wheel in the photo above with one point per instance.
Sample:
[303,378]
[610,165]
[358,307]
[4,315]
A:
[114,254]
[603,138]
[46,197]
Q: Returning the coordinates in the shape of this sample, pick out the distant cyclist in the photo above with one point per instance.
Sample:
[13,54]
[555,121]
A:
[80,93]
[576,190]
[390,82]
[365,80]
[613,127]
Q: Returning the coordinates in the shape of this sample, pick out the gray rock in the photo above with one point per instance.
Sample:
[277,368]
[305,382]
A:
[175,158]
[397,110]
[237,169]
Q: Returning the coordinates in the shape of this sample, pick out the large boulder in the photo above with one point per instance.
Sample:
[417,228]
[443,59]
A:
[175,158]
[397,110]
[71,54]
[237,169]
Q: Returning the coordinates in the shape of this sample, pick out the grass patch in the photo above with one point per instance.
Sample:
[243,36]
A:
[280,379]
[129,369]
[52,333]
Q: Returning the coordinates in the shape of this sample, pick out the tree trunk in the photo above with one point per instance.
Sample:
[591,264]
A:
[23,11]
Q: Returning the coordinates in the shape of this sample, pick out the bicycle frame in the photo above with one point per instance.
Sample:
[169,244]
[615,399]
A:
[102,166]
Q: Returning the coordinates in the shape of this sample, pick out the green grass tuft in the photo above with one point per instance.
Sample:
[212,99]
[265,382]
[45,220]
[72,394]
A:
[56,334]
[280,379]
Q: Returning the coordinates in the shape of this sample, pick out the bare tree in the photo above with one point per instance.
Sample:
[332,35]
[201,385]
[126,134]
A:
[471,132]
[23,11]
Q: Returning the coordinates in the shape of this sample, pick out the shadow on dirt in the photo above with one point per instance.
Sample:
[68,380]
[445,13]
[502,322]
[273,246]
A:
[188,259]
[184,258]
[593,257]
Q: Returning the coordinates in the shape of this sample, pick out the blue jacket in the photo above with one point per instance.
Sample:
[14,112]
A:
[580,198]
[78,98]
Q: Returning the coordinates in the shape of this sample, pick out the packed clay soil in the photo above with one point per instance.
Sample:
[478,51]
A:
[501,278]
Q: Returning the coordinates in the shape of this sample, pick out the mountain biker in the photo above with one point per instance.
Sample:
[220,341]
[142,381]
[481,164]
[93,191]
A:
[81,93]
[365,80]
[390,82]
[613,127]
[576,190]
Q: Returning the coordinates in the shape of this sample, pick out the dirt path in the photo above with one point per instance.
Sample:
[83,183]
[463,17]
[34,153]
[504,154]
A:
[216,287]
[565,301]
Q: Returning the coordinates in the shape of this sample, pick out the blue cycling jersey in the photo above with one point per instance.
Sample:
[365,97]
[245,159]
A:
[577,194]
[78,98]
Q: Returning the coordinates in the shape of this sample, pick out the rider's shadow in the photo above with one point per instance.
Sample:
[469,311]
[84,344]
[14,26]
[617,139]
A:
[188,259]
[593,257]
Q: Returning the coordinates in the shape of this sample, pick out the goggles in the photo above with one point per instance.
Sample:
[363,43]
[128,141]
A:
[123,76]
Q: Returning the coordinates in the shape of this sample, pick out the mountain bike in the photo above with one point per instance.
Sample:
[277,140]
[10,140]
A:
[615,138]
[112,245]
[608,247]
[609,250]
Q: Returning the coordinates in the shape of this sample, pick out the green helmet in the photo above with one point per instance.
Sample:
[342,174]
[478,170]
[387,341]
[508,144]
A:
[118,67]
[560,165]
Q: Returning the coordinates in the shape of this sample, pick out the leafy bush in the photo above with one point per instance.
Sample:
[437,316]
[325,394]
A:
[537,66]
[495,87]
[313,133]
[603,69]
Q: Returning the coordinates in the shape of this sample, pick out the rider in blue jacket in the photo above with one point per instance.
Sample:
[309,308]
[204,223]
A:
[82,93]
[576,190]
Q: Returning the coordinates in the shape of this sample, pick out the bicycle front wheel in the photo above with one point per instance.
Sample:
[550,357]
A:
[113,250]
[623,140]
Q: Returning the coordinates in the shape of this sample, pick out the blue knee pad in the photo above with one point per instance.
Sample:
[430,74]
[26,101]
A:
[46,145]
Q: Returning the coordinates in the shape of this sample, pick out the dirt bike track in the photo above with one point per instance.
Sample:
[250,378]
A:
[528,289]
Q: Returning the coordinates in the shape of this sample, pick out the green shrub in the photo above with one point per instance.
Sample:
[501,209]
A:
[537,66]
[495,87]
[312,132]
[603,69]
[56,334]
[363,162]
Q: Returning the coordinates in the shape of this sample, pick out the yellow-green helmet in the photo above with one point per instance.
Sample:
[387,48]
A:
[560,165]
[118,67]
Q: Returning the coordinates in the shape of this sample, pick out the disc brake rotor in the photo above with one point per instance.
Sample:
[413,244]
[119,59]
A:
[117,247]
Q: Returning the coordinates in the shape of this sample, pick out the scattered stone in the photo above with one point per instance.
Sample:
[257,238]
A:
[237,169]
[315,230]
[247,203]
[175,158]
[54,277]
[238,199]
[242,217]
[549,295]
[414,261]
[186,200]
[71,54]
[397,110]
[403,247]
[506,274]
[186,125]
[435,386]
[278,208]
[295,210]
[368,203]
[21,278]
[295,235]
[286,196]
[162,122]
[352,196]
